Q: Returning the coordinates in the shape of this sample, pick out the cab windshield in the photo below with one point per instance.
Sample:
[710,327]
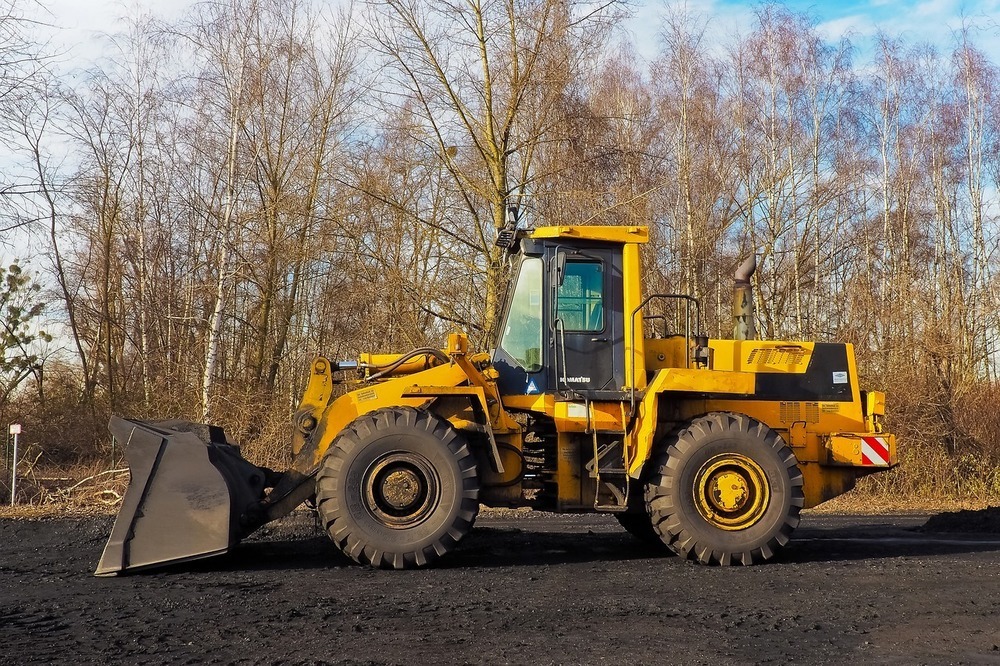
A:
[522,333]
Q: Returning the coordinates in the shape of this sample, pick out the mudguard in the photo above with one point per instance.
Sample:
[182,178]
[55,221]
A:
[191,495]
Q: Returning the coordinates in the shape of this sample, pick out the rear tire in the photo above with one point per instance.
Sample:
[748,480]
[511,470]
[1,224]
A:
[398,489]
[640,526]
[725,490]
[636,520]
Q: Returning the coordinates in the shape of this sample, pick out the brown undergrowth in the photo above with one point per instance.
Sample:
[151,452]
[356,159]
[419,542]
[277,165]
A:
[925,482]
[928,479]
[79,490]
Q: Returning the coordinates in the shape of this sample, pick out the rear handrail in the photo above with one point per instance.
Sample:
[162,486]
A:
[688,300]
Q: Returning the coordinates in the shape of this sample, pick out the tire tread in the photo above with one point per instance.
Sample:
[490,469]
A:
[340,526]
[668,521]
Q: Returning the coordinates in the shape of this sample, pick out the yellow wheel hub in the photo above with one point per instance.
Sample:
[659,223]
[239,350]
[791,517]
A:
[731,491]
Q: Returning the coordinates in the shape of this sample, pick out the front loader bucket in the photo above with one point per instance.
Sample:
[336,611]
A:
[191,495]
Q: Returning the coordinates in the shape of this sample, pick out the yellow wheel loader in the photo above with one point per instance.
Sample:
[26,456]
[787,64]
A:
[711,447]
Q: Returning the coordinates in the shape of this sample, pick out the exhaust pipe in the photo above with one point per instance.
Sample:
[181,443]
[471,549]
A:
[743,313]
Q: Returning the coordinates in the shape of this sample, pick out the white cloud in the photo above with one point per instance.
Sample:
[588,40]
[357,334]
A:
[936,8]
[856,25]
[724,20]
[77,26]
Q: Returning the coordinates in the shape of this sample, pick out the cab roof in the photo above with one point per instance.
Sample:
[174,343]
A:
[607,234]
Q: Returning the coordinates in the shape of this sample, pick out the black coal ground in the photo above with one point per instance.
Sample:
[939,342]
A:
[522,589]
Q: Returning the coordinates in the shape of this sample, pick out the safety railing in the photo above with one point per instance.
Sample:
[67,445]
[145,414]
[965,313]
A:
[688,301]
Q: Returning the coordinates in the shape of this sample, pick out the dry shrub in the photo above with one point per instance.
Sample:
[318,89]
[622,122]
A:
[948,442]
[271,445]
[260,424]
[66,428]
[977,413]
[73,490]
[69,461]
[945,414]
[927,474]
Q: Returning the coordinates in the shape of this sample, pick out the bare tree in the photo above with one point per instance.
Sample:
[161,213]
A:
[485,78]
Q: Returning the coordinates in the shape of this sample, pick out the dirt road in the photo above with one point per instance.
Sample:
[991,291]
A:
[541,589]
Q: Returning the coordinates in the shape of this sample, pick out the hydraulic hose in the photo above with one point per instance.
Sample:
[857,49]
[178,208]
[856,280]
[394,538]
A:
[436,353]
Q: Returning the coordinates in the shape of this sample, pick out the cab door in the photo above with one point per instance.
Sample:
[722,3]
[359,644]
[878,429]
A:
[587,323]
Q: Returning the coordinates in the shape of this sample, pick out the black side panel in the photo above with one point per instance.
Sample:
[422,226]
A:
[515,380]
[827,378]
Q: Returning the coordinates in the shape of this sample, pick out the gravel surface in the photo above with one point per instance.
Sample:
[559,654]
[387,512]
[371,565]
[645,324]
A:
[521,589]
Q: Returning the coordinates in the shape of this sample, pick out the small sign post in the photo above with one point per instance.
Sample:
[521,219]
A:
[15,430]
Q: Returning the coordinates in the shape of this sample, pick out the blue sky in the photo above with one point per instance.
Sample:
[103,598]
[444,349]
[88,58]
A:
[924,20]
[933,21]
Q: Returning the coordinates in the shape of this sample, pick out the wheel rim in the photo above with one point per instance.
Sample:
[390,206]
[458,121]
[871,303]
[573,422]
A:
[731,492]
[401,489]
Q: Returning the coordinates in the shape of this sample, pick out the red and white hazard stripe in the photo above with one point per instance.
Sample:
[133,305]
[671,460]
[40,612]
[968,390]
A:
[874,451]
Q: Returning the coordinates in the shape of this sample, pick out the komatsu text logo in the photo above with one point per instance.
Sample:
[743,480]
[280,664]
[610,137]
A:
[578,380]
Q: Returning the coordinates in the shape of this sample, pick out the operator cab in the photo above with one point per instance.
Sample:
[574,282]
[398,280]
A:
[563,325]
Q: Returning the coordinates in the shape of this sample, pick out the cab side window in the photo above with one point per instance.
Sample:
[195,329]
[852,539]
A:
[581,297]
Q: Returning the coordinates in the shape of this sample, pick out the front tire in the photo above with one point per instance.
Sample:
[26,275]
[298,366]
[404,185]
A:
[398,489]
[726,489]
